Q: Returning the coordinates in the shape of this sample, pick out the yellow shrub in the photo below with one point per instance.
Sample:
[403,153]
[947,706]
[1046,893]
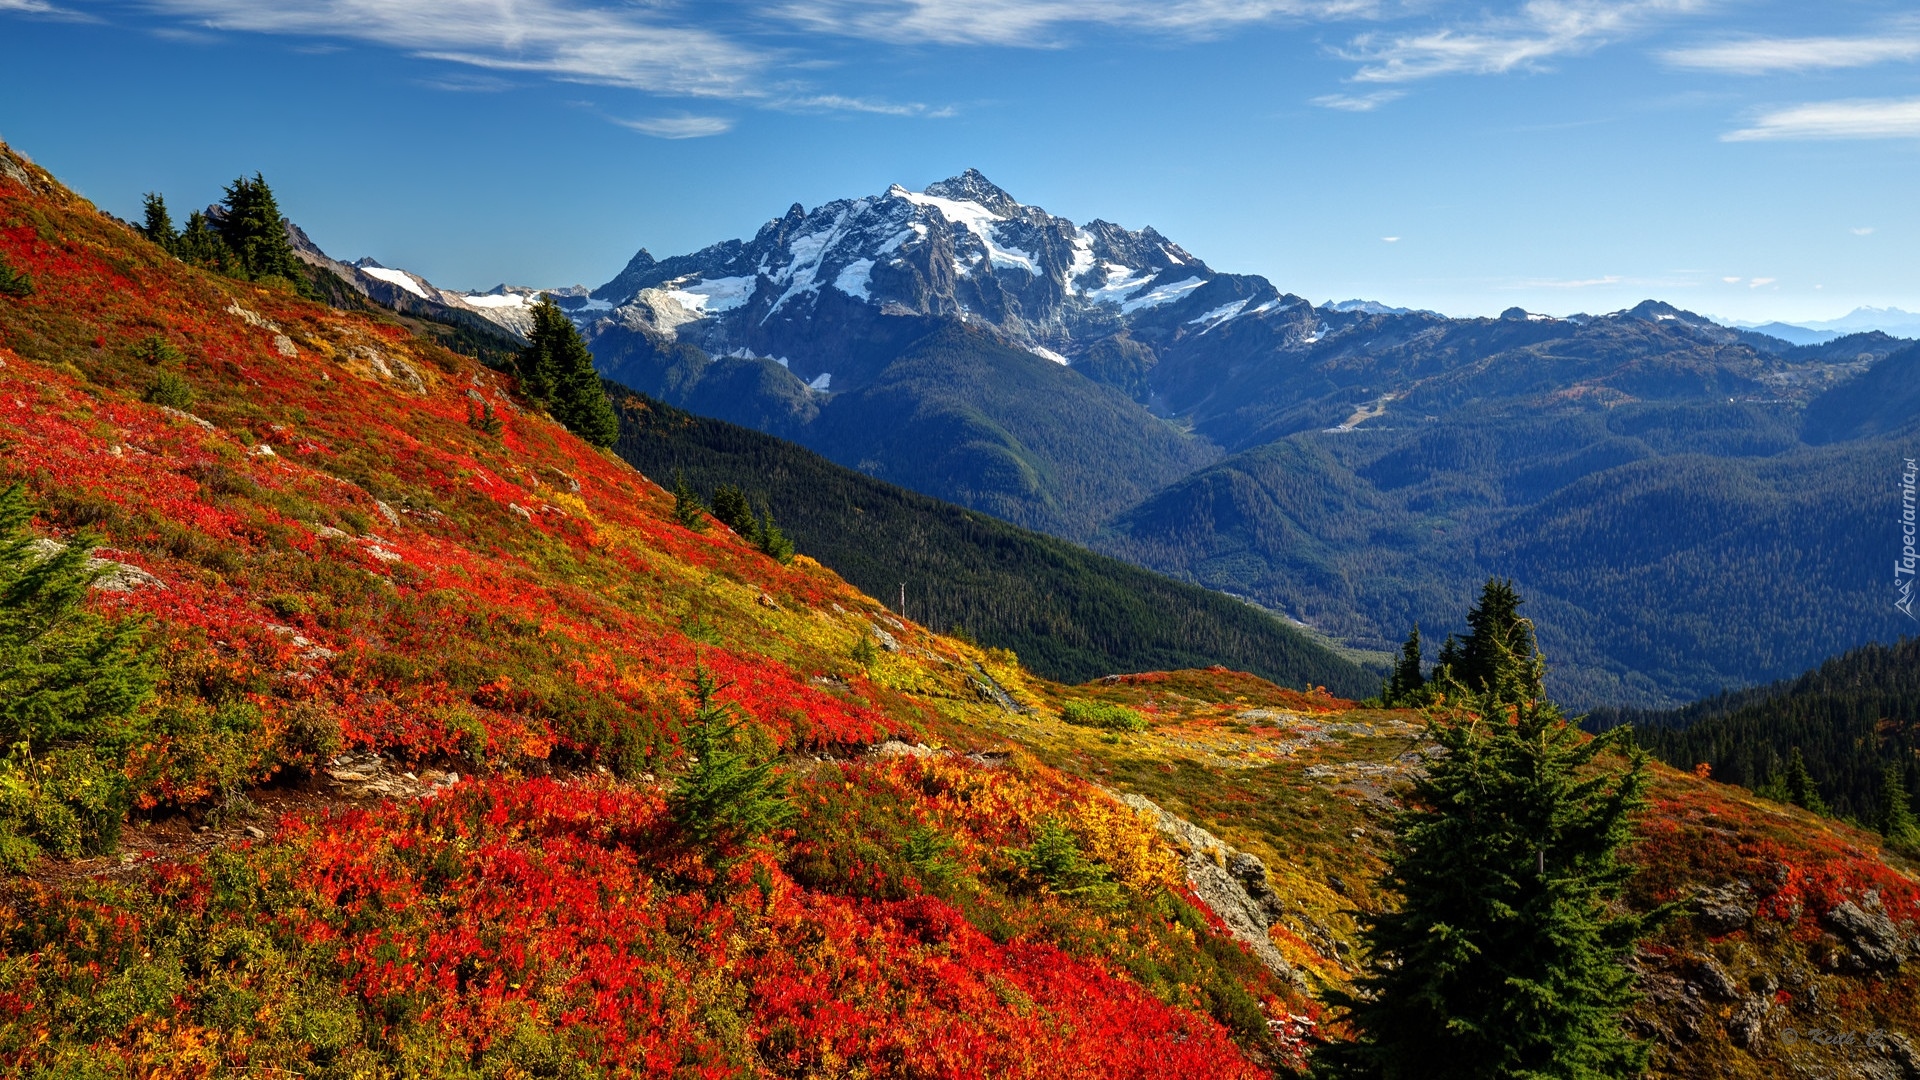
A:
[1127,843]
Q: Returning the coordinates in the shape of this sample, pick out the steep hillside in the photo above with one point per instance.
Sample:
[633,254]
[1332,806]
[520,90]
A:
[1071,615]
[409,797]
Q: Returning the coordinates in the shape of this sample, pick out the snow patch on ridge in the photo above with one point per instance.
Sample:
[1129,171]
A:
[1162,294]
[715,296]
[1082,259]
[395,277]
[1045,353]
[1219,314]
[977,220]
[1120,283]
[853,278]
[496,300]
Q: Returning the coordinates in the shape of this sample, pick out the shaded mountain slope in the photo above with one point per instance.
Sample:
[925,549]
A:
[951,411]
[1669,550]
[1070,614]
[1850,717]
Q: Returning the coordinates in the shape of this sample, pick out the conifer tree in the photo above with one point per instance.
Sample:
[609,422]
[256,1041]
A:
[1799,786]
[13,282]
[729,795]
[1506,956]
[770,540]
[686,505]
[254,231]
[199,245]
[1444,665]
[158,226]
[731,508]
[1407,683]
[71,684]
[1895,819]
[1498,654]
[556,370]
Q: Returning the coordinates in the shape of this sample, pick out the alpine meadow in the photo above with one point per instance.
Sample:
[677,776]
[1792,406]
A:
[570,539]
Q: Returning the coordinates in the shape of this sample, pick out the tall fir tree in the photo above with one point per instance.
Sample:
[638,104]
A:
[1445,663]
[1407,684]
[158,223]
[253,229]
[71,686]
[1798,785]
[556,370]
[199,245]
[730,796]
[730,506]
[770,540]
[687,509]
[1498,655]
[1895,818]
[1506,956]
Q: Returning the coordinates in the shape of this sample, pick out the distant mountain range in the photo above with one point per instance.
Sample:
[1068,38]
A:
[1891,321]
[1688,505]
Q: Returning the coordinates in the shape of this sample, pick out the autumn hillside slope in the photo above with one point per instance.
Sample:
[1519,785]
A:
[353,589]
[408,796]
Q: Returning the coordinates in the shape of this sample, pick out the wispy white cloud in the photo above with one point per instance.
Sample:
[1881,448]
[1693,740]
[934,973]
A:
[1358,102]
[1759,56]
[1390,239]
[1044,23]
[841,103]
[1883,118]
[678,127]
[1527,39]
[42,9]
[629,46]
[1732,280]
[1759,281]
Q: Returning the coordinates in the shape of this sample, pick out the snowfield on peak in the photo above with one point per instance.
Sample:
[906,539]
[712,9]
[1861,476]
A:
[979,221]
[496,300]
[1162,294]
[396,277]
[716,295]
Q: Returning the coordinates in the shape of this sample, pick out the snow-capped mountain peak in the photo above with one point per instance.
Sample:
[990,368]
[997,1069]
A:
[961,248]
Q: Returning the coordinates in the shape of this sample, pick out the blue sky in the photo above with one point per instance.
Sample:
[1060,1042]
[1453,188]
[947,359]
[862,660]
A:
[1750,160]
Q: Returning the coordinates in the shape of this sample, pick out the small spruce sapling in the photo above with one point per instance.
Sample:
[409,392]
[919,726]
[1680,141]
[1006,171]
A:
[158,223]
[72,684]
[730,796]
[13,282]
[557,371]
[1053,860]
[1794,784]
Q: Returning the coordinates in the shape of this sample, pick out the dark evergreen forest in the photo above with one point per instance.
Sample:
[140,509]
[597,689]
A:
[1070,614]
